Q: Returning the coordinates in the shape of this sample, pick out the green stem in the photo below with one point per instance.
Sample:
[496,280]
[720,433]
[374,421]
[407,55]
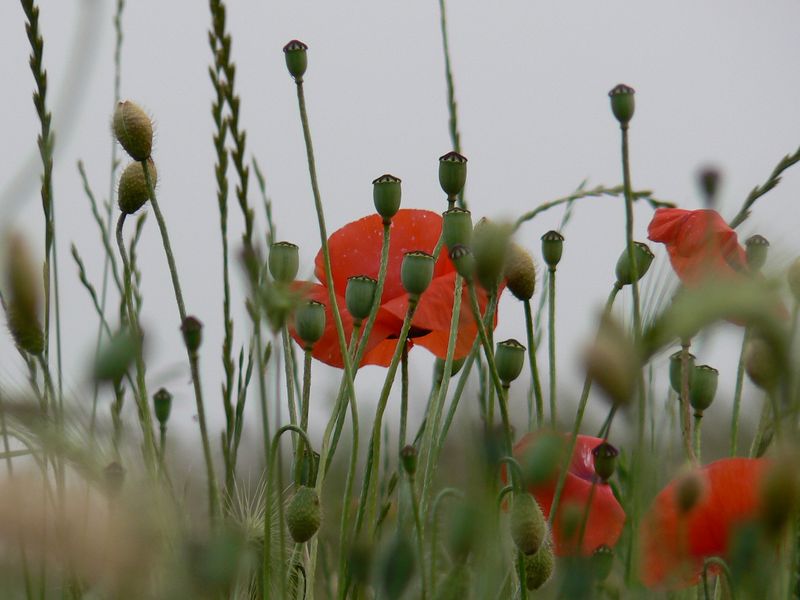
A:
[418,527]
[686,424]
[551,344]
[403,398]
[288,371]
[737,397]
[698,419]
[535,390]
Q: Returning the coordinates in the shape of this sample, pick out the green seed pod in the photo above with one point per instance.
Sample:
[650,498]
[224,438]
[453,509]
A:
[605,460]
[552,248]
[644,258]
[386,195]
[309,322]
[192,330]
[539,567]
[116,356]
[416,272]
[438,368]
[24,298]
[359,296]
[708,180]
[602,562]
[114,478]
[398,566]
[452,174]
[162,405]
[463,261]
[303,515]
[622,103]
[761,364]
[612,361]
[284,261]
[757,247]
[520,272]
[490,246]
[528,526]
[779,494]
[793,277]
[675,363]
[688,490]
[509,357]
[408,456]
[703,387]
[133,130]
[456,227]
[132,192]
[296,56]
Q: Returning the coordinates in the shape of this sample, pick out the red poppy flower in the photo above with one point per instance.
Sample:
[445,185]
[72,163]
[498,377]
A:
[355,249]
[606,517]
[674,546]
[699,242]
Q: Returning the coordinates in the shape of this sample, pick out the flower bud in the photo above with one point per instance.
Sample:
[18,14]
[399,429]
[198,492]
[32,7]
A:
[688,490]
[284,261]
[602,562]
[162,405]
[116,356]
[520,272]
[675,367]
[133,192]
[539,567]
[452,174]
[296,59]
[133,130]
[509,358]
[456,227]
[408,456]
[756,247]
[761,364]
[114,478]
[552,248]
[490,246]
[309,322]
[303,515]
[386,195]
[708,179]
[644,258]
[463,261]
[528,526]
[793,277]
[622,103]
[416,272]
[24,297]
[605,460]
[439,364]
[398,566]
[612,361]
[359,296]
[779,493]
[703,387]
[192,330]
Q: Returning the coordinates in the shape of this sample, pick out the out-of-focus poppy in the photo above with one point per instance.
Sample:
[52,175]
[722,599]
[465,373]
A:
[606,517]
[355,249]
[674,545]
[699,242]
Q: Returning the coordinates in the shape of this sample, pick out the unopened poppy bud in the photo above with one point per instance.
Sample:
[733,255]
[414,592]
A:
[295,53]
[359,296]
[552,248]
[456,227]
[779,494]
[622,103]
[703,387]
[452,174]
[520,272]
[133,192]
[416,272]
[605,460]
[688,489]
[602,562]
[612,362]
[114,476]
[490,245]
[528,526]
[761,364]
[439,364]
[133,130]
[309,322]
[509,358]
[408,456]
[303,515]
[386,195]
[398,566]
[116,356]
[463,261]
[793,277]
[675,367]
[24,297]
[756,247]
[284,261]
[192,330]
[644,258]
[539,567]
[708,178]
[162,405]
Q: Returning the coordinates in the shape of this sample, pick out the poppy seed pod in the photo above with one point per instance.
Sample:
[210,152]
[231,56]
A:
[303,515]
[622,103]
[456,227]
[452,174]
[309,322]
[509,357]
[605,460]
[408,456]
[644,258]
[192,330]
[552,248]
[703,387]
[133,130]
[793,277]
[756,248]
[24,297]
[162,405]
[284,261]
[602,562]
[528,526]
[386,195]
[132,192]
[688,489]
[612,361]
[463,261]
[520,272]
[490,244]
[675,366]
[416,272]
[359,296]
[761,364]
[295,53]
[116,356]
[539,567]
[708,180]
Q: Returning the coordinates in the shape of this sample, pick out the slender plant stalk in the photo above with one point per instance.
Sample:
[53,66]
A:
[412,490]
[288,370]
[535,390]
[696,437]
[737,397]
[401,438]
[551,345]
[686,423]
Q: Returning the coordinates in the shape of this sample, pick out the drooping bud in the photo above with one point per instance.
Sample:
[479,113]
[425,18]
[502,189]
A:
[162,405]
[456,227]
[386,195]
[644,258]
[192,330]
[416,272]
[295,53]
[552,248]
[688,489]
[408,456]
[780,493]
[509,357]
[675,368]
[703,387]
[398,566]
[539,567]
[359,296]
[303,515]
[116,356]
[793,277]
[452,174]
[133,192]
[520,272]
[602,562]
[612,361]
[708,179]
[24,297]
[490,245]
[133,130]
[605,460]
[284,261]
[309,322]
[463,261]
[528,526]
[757,248]
[622,103]
[761,364]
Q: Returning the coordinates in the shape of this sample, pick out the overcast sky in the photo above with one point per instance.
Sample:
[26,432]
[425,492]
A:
[716,82]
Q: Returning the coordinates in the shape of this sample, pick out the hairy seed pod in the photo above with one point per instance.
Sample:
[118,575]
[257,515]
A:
[528,525]
[303,515]
[133,130]
[520,272]
[24,297]
[132,192]
[539,567]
